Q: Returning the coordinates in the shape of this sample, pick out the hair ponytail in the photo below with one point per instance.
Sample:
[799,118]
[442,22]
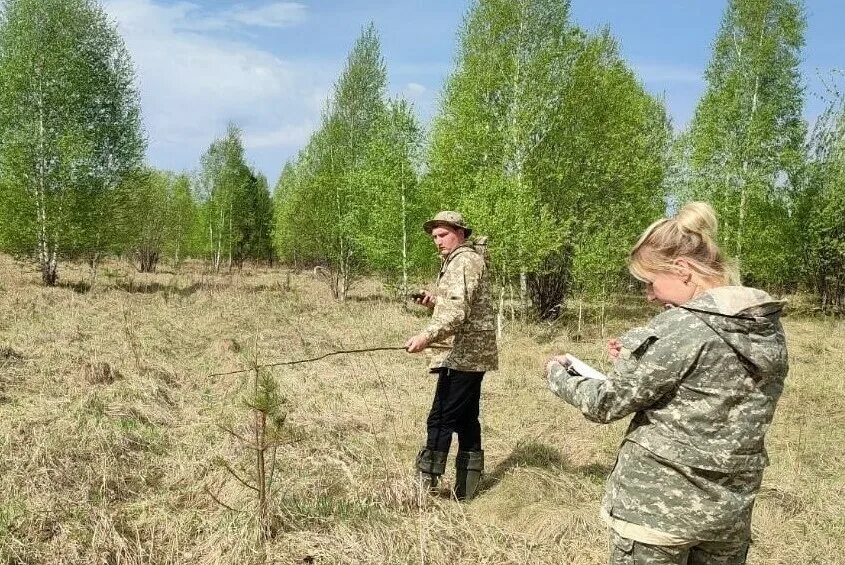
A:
[690,235]
[698,218]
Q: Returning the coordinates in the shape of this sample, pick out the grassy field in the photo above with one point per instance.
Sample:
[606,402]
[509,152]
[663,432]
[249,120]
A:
[114,464]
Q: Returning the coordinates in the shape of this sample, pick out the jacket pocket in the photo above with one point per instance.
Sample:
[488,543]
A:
[636,341]
[621,550]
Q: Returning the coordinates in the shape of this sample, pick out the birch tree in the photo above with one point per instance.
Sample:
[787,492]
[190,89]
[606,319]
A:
[285,197]
[224,175]
[146,210]
[499,106]
[391,214]
[747,135]
[252,220]
[602,171]
[183,215]
[158,218]
[298,212]
[321,212]
[821,209]
[350,124]
[70,129]
[545,141]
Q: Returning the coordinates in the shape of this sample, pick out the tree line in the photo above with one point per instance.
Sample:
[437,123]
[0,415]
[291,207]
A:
[544,138]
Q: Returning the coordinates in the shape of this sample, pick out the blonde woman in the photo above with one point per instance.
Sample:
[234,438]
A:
[702,379]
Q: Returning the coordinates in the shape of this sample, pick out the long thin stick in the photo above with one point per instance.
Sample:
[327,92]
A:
[312,359]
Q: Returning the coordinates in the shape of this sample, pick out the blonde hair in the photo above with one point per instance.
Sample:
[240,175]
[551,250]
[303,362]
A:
[690,235]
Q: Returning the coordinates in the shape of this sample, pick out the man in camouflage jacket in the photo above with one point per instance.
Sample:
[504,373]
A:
[703,380]
[462,329]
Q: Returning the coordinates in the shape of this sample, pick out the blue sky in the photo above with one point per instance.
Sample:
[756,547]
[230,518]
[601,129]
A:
[269,66]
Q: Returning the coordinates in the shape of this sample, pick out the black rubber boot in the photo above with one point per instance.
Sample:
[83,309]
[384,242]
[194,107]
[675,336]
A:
[431,465]
[469,466]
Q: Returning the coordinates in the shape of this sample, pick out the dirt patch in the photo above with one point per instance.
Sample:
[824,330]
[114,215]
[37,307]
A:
[9,355]
[100,373]
[227,345]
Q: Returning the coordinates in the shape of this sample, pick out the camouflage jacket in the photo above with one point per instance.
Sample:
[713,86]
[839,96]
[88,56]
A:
[703,379]
[463,317]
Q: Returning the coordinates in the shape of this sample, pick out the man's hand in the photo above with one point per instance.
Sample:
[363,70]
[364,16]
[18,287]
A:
[424,298]
[614,347]
[416,343]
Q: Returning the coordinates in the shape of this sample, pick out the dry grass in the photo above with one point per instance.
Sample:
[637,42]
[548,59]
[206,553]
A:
[113,465]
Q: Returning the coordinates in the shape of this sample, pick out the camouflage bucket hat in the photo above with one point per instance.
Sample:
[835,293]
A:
[448,218]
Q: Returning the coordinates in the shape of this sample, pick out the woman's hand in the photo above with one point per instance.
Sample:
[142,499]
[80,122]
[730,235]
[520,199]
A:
[556,360]
[614,347]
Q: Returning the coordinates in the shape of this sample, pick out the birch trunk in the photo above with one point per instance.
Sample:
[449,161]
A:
[46,248]
[404,236]
[230,233]
[743,197]
[517,142]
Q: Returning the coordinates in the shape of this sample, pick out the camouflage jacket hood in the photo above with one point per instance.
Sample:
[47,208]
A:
[747,319]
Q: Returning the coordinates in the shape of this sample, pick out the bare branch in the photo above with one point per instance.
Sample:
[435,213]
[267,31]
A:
[237,477]
[220,502]
[238,436]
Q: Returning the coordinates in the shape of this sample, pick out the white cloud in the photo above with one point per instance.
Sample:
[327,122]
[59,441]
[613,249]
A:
[414,90]
[316,100]
[422,98]
[187,16]
[287,135]
[277,14]
[193,79]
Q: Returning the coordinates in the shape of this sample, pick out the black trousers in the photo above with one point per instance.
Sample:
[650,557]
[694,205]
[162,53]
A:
[455,410]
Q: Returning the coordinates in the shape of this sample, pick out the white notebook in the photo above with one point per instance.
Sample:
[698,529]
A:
[576,366]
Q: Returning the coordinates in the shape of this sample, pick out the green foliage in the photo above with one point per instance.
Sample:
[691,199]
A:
[387,220]
[253,220]
[604,173]
[497,110]
[746,140]
[284,238]
[183,230]
[349,125]
[545,140]
[158,216]
[70,130]
[144,213]
[822,209]
[266,398]
[302,206]
[349,202]
[549,145]
[236,209]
